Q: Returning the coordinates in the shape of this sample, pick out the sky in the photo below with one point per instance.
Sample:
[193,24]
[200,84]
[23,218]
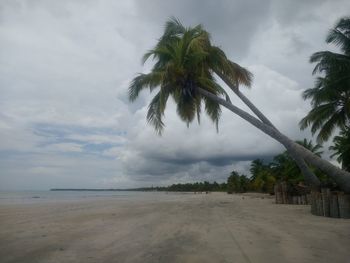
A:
[65,68]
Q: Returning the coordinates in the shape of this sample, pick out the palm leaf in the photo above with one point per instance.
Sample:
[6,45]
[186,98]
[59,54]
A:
[156,110]
[213,110]
[142,81]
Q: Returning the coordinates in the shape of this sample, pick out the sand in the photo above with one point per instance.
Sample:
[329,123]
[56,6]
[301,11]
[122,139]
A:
[171,228]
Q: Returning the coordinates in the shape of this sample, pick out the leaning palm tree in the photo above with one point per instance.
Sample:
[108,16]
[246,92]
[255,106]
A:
[231,73]
[330,97]
[183,69]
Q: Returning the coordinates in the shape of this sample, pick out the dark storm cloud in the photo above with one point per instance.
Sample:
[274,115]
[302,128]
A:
[288,13]
[192,158]
[232,24]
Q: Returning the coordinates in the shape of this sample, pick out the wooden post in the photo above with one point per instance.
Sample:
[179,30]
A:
[302,199]
[344,205]
[313,203]
[334,206]
[284,193]
[275,189]
[325,193]
[308,199]
[278,194]
[319,204]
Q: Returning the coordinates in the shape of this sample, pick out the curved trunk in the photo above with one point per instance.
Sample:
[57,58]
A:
[341,177]
[310,177]
[246,101]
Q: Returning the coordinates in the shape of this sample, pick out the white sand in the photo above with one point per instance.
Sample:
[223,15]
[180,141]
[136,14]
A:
[182,228]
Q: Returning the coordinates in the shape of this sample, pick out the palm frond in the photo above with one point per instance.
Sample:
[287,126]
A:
[213,110]
[330,96]
[344,25]
[186,106]
[330,61]
[142,81]
[341,147]
[156,110]
[338,38]
[340,35]
[336,120]
[172,31]
[317,116]
[213,87]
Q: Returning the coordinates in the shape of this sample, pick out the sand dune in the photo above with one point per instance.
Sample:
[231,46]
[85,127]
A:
[171,228]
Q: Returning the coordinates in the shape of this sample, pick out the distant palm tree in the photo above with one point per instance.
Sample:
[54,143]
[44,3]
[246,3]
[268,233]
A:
[314,148]
[184,64]
[341,148]
[285,167]
[330,98]
[256,167]
[262,176]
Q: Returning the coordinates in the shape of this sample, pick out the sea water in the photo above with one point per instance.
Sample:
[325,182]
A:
[32,197]
[28,197]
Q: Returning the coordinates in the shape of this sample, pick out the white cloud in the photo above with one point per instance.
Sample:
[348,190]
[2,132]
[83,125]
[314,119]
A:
[64,147]
[65,119]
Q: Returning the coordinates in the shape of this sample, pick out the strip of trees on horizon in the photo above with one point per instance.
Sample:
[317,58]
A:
[189,187]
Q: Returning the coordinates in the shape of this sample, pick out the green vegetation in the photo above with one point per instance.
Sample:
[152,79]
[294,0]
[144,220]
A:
[341,148]
[237,183]
[330,97]
[281,168]
[189,187]
[184,64]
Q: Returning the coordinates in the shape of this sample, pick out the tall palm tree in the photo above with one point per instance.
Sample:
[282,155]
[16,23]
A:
[183,69]
[178,71]
[330,97]
[231,73]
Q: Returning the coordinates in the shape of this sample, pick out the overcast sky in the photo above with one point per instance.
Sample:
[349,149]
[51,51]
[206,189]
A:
[65,66]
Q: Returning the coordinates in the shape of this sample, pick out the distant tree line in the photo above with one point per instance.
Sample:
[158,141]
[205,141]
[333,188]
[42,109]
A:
[190,187]
[263,176]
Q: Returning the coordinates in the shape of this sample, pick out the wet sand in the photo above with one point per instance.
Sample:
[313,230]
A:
[171,228]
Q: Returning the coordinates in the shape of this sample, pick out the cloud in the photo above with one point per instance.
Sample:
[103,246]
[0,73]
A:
[232,24]
[65,119]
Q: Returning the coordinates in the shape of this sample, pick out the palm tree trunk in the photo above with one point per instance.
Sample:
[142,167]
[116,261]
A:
[246,101]
[310,178]
[342,178]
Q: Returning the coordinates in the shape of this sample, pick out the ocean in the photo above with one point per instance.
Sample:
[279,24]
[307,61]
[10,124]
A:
[30,197]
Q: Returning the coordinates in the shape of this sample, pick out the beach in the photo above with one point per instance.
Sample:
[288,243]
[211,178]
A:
[160,227]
